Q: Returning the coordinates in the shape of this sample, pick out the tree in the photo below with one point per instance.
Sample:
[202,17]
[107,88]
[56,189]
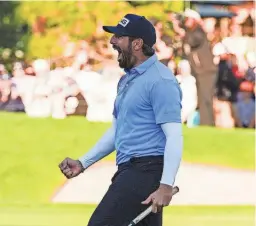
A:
[13,33]
[51,22]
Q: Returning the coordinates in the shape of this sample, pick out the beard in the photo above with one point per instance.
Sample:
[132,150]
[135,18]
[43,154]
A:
[125,58]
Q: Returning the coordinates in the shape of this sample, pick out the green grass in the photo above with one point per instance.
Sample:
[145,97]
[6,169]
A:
[78,215]
[223,147]
[31,150]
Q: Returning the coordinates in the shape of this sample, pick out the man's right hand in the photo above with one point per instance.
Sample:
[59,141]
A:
[71,168]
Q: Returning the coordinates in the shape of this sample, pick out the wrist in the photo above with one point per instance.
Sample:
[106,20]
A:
[167,181]
[165,187]
[81,165]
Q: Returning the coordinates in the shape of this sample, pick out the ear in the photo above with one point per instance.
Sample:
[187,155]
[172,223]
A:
[137,44]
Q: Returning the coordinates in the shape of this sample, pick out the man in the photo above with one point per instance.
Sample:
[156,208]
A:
[245,107]
[188,87]
[198,51]
[3,73]
[227,87]
[146,131]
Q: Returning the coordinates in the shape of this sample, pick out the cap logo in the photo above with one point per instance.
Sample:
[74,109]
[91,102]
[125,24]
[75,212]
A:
[124,22]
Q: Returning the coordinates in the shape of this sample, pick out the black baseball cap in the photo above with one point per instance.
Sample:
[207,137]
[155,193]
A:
[134,26]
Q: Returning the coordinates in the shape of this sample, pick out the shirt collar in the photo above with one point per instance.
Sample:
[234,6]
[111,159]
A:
[144,66]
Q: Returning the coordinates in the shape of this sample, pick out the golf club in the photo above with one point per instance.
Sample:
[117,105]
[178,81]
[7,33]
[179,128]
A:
[149,210]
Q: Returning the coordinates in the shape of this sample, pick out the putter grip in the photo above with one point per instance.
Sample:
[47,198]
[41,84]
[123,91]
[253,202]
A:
[149,210]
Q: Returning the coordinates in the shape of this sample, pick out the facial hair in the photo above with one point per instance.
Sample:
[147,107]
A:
[125,57]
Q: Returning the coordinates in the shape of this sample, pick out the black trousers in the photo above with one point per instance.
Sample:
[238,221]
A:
[133,182]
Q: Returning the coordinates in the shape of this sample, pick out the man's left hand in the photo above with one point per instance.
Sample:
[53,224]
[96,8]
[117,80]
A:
[160,198]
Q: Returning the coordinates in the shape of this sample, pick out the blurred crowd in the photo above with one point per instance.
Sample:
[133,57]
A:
[213,61]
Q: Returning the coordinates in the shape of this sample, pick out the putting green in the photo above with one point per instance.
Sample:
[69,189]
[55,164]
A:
[78,215]
[31,150]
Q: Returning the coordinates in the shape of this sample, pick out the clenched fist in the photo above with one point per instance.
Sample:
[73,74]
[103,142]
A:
[71,168]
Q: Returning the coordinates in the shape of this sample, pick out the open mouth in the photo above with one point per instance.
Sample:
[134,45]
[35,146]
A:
[119,52]
[119,56]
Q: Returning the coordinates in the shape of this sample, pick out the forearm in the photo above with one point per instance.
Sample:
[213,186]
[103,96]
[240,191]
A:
[180,31]
[173,152]
[103,147]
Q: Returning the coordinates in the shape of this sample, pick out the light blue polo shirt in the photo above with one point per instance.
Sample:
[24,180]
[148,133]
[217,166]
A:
[147,96]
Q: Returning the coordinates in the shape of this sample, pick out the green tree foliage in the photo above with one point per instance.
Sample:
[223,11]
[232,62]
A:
[50,21]
[8,24]
[78,20]
[175,6]
[13,33]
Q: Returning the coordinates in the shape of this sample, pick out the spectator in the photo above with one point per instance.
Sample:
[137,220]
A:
[37,100]
[75,103]
[251,71]
[15,103]
[41,68]
[209,26]
[245,107]
[188,86]
[44,92]
[4,93]
[198,52]
[164,50]
[10,99]
[3,73]
[227,87]
[18,70]
[237,71]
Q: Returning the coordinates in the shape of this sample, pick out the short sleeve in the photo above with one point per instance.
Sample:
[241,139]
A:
[165,97]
